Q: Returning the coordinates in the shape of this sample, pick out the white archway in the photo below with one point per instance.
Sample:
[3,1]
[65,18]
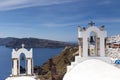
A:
[84,34]
[16,61]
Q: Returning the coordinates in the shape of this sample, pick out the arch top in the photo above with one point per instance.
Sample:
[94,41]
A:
[95,29]
[17,52]
[92,28]
[85,32]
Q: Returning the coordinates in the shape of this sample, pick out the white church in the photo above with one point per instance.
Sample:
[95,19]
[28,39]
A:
[95,61]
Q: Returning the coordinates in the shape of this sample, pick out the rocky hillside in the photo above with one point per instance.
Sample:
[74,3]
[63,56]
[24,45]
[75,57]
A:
[32,42]
[55,68]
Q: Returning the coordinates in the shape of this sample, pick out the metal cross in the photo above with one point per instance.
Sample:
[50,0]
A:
[91,23]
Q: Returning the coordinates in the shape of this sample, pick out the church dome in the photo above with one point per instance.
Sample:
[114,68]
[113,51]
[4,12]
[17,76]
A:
[93,70]
[21,78]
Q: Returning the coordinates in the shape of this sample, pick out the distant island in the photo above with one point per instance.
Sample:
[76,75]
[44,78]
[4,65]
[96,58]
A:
[32,43]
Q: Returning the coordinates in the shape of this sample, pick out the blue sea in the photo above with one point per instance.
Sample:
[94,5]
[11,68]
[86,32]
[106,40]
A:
[40,56]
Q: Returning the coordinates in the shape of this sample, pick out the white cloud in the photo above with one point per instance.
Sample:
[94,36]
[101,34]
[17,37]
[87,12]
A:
[15,4]
[58,24]
[105,2]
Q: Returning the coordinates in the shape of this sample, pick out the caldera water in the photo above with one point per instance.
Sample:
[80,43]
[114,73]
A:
[40,56]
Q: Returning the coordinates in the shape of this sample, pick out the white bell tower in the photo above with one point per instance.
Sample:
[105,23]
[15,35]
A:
[16,73]
[90,46]
[84,40]
[16,61]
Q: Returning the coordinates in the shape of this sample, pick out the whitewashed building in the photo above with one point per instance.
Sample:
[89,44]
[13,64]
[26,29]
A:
[92,63]
[16,74]
[113,41]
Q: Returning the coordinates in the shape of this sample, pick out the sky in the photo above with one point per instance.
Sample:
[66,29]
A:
[56,19]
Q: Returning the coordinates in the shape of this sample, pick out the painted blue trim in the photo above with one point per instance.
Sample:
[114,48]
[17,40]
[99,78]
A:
[117,61]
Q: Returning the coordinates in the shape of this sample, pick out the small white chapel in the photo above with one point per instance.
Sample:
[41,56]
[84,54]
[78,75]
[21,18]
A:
[93,62]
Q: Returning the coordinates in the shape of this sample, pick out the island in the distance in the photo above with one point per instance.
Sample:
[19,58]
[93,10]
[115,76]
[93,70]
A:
[32,43]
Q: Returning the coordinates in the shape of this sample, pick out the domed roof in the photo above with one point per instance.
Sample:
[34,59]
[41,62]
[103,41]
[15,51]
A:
[93,70]
[24,78]
[21,78]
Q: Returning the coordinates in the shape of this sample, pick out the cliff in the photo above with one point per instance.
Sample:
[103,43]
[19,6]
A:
[55,68]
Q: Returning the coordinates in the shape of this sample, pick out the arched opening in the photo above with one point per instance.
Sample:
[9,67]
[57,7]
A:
[93,44]
[22,64]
